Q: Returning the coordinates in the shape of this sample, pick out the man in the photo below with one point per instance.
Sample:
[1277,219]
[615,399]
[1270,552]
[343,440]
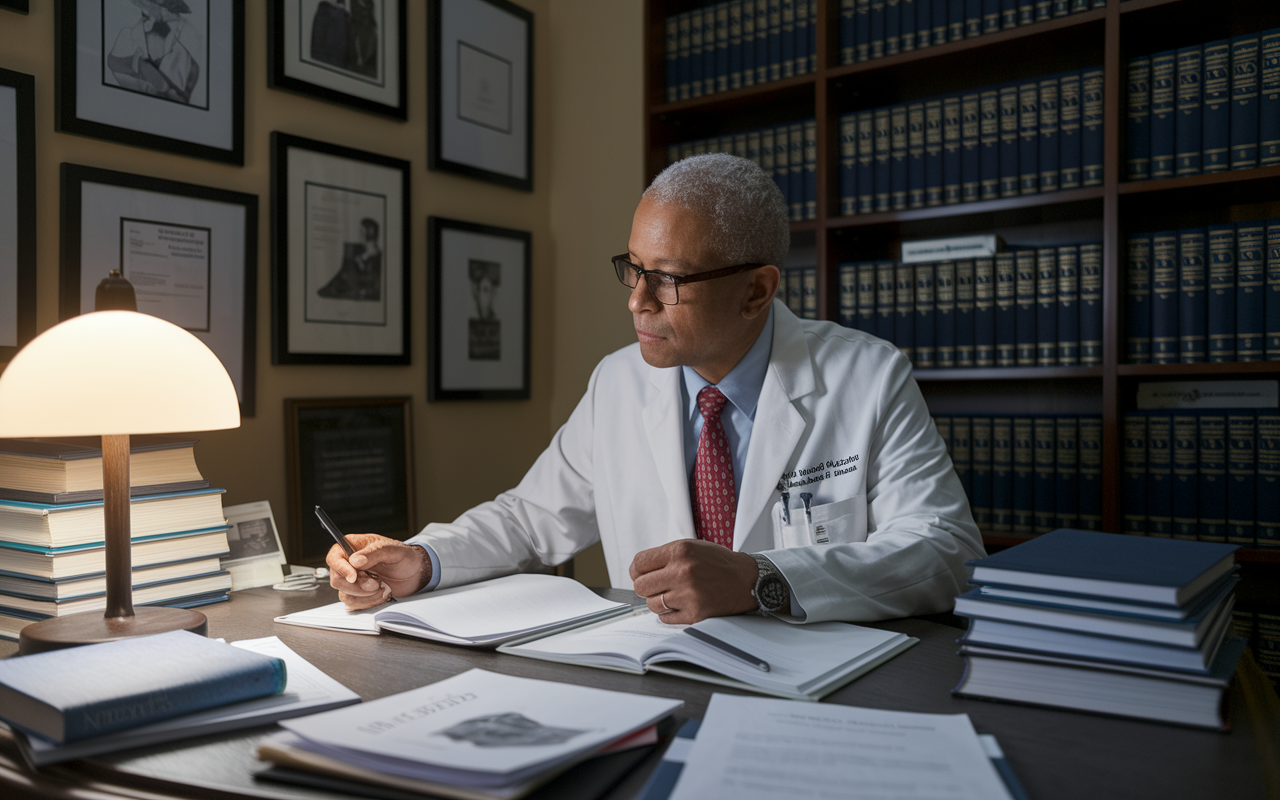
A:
[680,455]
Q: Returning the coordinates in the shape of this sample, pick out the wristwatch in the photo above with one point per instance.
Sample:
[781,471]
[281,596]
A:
[771,593]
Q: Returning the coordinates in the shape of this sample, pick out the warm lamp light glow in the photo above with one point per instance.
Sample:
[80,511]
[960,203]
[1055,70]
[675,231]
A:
[115,372]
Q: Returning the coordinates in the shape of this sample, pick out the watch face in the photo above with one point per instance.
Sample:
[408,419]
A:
[772,593]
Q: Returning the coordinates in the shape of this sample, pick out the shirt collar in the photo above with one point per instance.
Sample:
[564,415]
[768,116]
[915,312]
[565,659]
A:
[743,383]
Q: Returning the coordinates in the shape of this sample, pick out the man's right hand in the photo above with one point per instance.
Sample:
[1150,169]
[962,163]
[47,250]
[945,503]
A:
[403,569]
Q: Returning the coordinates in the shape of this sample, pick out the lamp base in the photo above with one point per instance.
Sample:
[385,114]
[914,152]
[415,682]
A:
[91,627]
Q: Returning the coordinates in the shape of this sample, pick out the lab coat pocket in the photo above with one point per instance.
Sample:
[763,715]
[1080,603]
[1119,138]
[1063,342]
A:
[841,522]
[793,533]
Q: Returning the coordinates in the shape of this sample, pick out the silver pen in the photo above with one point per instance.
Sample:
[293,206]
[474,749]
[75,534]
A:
[728,649]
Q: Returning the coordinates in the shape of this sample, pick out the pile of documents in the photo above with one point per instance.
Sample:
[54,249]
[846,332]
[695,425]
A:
[1112,624]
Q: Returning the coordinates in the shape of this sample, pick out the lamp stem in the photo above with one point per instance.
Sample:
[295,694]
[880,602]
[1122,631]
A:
[115,507]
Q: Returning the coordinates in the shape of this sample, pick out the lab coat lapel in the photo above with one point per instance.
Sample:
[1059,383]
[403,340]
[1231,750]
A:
[662,422]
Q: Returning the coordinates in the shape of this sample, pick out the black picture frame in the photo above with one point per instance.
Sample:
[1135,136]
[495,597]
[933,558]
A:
[203,117]
[495,144]
[478,360]
[324,437]
[327,323]
[18,243]
[348,84]
[96,222]
[15,5]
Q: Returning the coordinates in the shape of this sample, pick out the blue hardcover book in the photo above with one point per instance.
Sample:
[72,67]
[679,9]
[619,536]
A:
[1070,111]
[972,18]
[748,43]
[775,39]
[1002,474]
[1028,137]
[696,61]
[811,49]
[1009,141]
[1272,291]
[1242,437]
[938,32]
[809,292]
[710,49]
[1091,304]
[1067,473]
[955,20]
[1187,102]
[809,186]
[990,16]
[867,298]
[978,338]
[722,47]
[848,278]
[1250,316]
[1186,480]
[795,169]
[1221,324]
[1212,489]
[898,158]
[963,325]
[970,164]
[1024,262]
[877,28]
[1164,74]
[1244,101]
[1091,90]
[1006,309]
[769,159]
[1192,302]
[980,501]
[735,44]
[848,32]
[1044,508]
[892,28]
[1008,14]
[1267,530]
[866,162]
[989,144]
[671,67]
[1215,130]
[1164,297]
[1137,307]
[862,30]
[924,23]
[886,300]
[1049,145]
[1044,10]
[915,155]
[1062,8]
[787,37]
[944,319]
[1046,307]
[762,59]
[1269,99]
[1159,475]
[801,37]
[683,68]
[782,164]
[933,152]
[1138,127]
[925,341]
[951,150]
[883,171]
[848,164]
[1089,497]
[1134,478]
[1068,316]
[962,453]
[1024,459]
[904,325]
[1026,12]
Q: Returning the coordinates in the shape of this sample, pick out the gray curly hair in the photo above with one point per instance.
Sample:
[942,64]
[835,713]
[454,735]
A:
[748,215]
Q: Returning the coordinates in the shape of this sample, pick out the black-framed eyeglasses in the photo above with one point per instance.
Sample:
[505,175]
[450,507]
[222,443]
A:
[665,286]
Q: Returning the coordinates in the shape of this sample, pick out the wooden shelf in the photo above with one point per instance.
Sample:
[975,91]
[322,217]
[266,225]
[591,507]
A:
[1129,6]
[1193,182]
[804,225]
[737,98]
[1090,193]
[1177,370]
[1006,373]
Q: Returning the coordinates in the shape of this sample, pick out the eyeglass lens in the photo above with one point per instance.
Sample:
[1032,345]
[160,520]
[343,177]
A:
[663,288]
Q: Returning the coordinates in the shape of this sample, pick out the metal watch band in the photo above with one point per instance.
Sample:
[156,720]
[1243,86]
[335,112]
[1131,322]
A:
[772,595]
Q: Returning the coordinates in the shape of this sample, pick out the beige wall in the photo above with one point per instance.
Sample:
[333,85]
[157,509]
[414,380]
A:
[587,175]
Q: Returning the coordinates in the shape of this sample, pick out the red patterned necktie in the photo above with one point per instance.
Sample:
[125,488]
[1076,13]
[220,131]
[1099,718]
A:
[715,501]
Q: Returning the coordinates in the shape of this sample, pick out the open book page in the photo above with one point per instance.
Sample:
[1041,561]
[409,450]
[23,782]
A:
[334,617]
[619,642]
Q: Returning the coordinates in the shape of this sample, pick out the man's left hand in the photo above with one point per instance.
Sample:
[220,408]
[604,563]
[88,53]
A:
[689,580]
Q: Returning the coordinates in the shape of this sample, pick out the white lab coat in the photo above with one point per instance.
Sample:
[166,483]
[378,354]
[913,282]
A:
[839,416]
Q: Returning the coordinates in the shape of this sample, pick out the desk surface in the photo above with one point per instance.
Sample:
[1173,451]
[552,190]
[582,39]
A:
[1056,754]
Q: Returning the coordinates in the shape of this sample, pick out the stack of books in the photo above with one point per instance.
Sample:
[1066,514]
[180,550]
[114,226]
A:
[1110,624]
[52,529]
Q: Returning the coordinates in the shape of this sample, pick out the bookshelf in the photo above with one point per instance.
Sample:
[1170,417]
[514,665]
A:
[1106,36]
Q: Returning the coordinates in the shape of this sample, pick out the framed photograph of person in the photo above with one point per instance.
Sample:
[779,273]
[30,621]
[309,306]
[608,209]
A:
[191,253]
[17,212]
[15,5]
[340,254]
[480,97]
[477,312]
[345,51]
[353,457]
[164,74]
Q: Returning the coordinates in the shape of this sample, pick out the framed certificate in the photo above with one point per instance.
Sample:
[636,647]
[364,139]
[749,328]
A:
[191,253]
[15,5]
[17,212]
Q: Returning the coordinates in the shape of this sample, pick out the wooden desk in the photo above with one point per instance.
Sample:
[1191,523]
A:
[1056,754]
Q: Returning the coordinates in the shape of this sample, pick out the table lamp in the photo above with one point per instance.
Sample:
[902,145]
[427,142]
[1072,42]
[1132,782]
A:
[113,374]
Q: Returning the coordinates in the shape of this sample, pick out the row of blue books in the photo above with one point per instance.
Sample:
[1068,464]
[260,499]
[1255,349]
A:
[1026,474]
[789,152]
[799,290]
[1205,108]
[878,28]
[739,43]
[1038,135]
[1210,475]
[1262,631]
[1204,294]
[1020,308]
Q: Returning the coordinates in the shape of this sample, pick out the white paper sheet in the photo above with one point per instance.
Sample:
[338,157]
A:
[334,617]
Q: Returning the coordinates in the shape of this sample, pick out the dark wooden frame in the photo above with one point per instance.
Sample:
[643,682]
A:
[435,160]
[73,176]
[15,5]
[65,118]
[435,229]
[280,354]
[25,90]
[300,517]
[278,79]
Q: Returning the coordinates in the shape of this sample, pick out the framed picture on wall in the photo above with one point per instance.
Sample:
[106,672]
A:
[480,97]
[15,5]
[17,212]
[345,51]
[353,457]
[478,311]
[191,253]
[340,254]
[164,74]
